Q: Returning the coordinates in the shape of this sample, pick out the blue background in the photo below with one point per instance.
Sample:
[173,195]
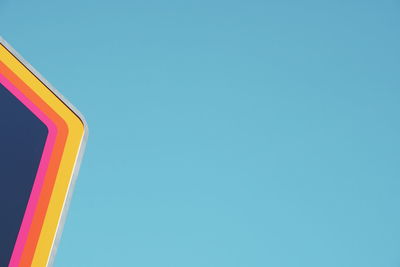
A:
[226,133]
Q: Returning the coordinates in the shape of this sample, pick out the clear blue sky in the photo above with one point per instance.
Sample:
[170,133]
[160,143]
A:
[226,133]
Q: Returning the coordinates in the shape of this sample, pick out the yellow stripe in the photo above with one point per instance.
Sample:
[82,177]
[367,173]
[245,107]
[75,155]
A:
[69,158]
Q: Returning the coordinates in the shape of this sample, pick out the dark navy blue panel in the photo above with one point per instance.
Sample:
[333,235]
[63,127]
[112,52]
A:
[22,139]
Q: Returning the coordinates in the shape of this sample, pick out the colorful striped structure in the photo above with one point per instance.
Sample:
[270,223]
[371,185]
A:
[47,202]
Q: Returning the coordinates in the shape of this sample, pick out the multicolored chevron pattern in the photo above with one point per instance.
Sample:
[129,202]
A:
[47,196]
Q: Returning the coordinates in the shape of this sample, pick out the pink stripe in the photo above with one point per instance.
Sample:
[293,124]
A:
[43,166]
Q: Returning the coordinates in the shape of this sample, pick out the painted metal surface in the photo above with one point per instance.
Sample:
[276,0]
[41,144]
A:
[50,191]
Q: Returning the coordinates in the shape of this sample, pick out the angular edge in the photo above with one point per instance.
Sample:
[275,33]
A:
[79,158]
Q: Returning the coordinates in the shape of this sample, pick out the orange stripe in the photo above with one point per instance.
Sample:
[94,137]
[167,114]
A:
[45,195]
